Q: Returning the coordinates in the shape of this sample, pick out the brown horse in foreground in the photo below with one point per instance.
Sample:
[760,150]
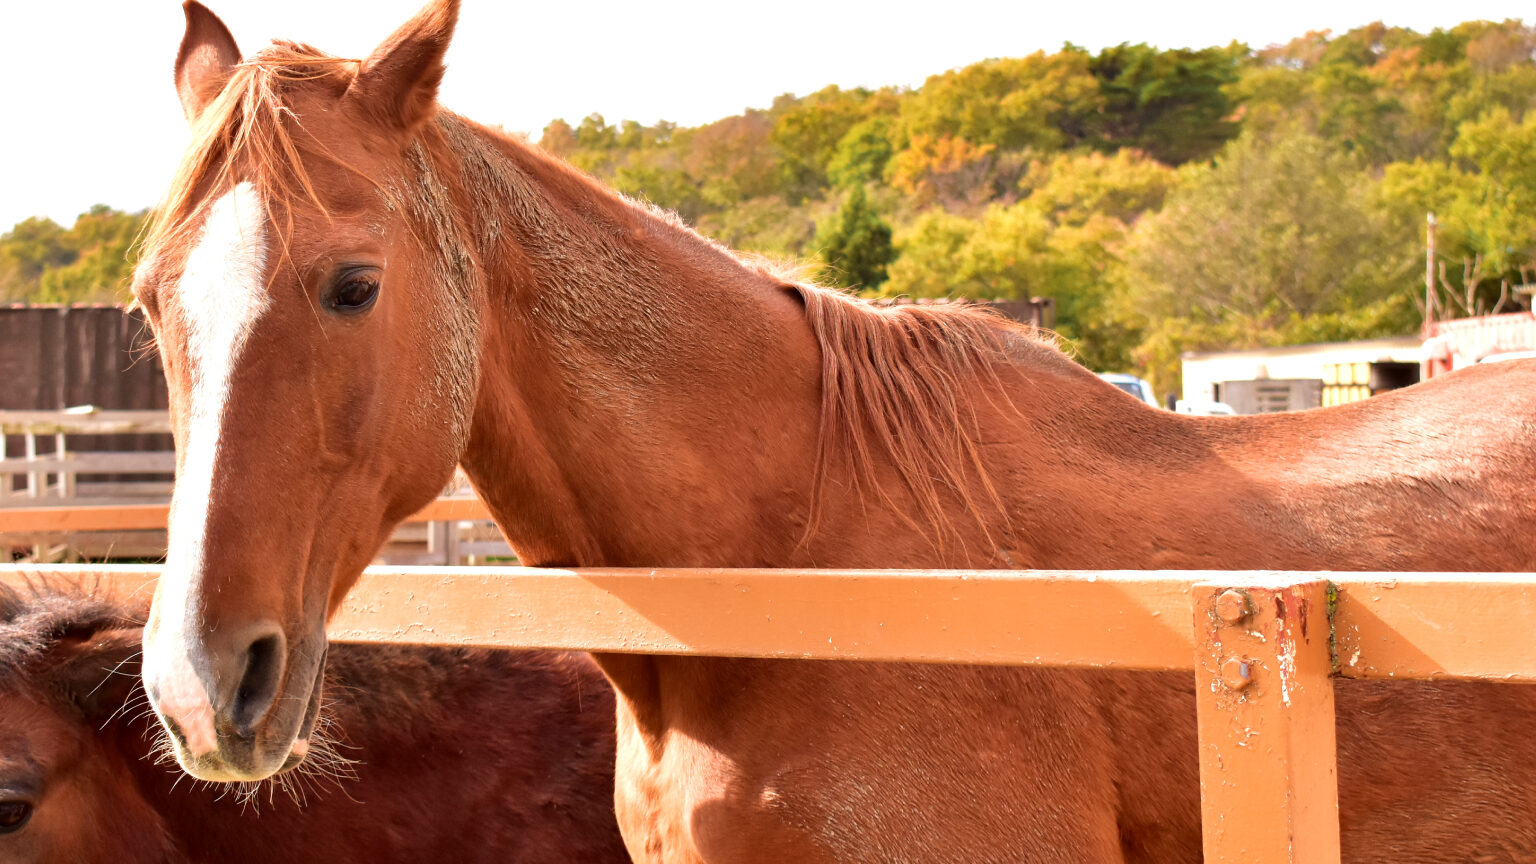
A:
[354,289]
[439,756]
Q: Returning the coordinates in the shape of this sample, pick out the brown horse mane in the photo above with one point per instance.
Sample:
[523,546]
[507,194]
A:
[892,378]
[894,384]
[37,618]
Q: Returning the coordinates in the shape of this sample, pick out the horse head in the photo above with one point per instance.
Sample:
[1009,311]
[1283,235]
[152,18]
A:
[319,339]
[66,792]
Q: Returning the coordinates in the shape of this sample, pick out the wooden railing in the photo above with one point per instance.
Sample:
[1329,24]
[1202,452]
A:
[1264,647]
[444,543]
[53,474]
[44,509]
[152,517]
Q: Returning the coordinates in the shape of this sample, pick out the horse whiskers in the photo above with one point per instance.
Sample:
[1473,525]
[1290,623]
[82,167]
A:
[138,703]
[116,670]
[325,765]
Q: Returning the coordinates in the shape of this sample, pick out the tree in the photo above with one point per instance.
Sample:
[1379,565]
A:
[41,262]
[856,245]
[809,133]
[927,251]
[1072,188]
[1043,101]
[953,172]
[766,225]
[1018,252]
[558,138]
[1247,251]
[27,251]
[862,153]
[1484,198]
[1170,104]
[734,159]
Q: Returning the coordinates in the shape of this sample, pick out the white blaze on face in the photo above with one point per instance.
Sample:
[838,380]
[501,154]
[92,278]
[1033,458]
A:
[221,296]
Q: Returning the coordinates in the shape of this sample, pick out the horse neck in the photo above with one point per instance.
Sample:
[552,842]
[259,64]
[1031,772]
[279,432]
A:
[640,387]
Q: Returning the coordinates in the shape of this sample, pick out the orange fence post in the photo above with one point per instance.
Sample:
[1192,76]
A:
[1268,762]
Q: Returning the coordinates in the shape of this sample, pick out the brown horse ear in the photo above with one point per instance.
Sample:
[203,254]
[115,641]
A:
[98,672]
[208,55]
[397,84]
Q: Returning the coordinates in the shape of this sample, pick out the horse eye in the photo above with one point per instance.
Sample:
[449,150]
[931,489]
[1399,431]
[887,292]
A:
[355,291]
[13,815]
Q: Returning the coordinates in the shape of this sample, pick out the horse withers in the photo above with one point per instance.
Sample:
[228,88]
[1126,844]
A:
[354,289]
[431,754]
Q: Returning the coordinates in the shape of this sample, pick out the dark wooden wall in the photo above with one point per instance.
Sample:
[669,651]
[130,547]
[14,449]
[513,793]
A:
[56,357]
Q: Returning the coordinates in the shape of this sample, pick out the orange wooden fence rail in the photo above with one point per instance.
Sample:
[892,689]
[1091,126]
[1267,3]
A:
[1264,646]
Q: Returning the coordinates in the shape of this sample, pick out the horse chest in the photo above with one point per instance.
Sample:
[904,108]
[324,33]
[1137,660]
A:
[840,763]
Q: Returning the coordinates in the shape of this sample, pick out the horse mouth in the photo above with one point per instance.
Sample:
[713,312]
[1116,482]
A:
[242,757]
[300,747]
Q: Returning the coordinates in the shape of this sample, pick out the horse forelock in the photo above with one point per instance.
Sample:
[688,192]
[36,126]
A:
[248,134]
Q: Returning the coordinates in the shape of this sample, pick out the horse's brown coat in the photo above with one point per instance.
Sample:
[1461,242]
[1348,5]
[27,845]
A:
[461,756]
[643,397]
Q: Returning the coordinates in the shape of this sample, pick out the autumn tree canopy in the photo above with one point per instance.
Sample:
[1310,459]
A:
[1169,200]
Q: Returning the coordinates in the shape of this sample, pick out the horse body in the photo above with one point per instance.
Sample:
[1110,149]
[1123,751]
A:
[622,392]
[671,446]
[447,755]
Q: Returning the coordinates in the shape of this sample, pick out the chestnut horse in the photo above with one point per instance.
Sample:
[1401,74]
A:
[354,289]
[439,755]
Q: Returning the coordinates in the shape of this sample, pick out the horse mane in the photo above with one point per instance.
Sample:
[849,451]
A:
[36,619]
[894,382]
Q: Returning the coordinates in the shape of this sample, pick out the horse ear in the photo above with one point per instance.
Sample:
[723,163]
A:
[397,84]
[208,55]
[98,672]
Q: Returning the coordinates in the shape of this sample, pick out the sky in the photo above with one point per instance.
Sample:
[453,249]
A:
[91,114]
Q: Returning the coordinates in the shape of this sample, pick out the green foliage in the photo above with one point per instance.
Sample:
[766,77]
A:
[1044,101]
[862,153]
[855,245]
[1484,197]
[766,225]
[1037,247]
[809,135]
[1074,187]
[1171,104]
[41,262]
[1275,233]
[952,172]
[32,248]
[1167,199]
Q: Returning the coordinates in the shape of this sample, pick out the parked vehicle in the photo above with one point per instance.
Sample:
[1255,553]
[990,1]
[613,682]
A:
[1137,387]
[1209,409]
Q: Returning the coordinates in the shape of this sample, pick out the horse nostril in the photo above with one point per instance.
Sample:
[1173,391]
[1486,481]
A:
[259,683]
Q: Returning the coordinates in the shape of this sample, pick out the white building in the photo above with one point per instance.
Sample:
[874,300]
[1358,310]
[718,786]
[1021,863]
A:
[1301,376]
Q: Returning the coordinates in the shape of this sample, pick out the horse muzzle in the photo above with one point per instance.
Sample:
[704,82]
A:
[241,713]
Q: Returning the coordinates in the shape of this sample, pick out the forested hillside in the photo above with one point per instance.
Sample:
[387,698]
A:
[1168,200]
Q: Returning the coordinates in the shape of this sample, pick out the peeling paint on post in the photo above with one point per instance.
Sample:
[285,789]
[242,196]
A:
[1268,762]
